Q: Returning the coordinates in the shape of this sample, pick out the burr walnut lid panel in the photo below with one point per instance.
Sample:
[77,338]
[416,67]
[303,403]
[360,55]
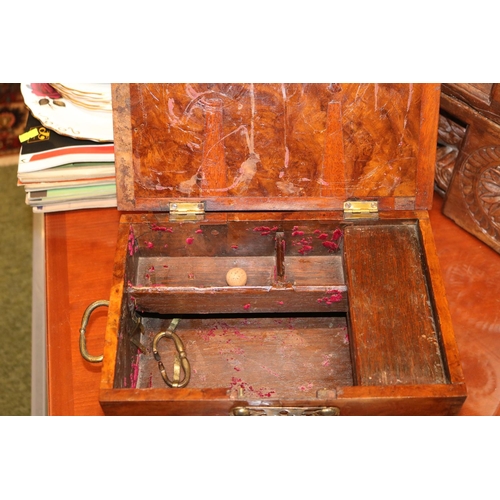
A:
[275,146]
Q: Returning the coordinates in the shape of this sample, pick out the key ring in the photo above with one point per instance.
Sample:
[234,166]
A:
[180,358]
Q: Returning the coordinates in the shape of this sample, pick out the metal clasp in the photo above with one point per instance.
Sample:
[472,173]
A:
[180,361]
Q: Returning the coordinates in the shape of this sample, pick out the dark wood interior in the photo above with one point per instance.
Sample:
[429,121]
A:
[394,333]
[80,249]
[292,265]
[289,338]
[252,357]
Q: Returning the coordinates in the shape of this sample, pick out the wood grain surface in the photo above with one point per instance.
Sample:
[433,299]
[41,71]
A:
[80,250]
[393,330]
[471,274]
[80,256]
[472,195]
[275,146]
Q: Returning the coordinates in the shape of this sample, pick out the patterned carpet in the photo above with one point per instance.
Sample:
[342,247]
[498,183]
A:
[13,116]
[16,227]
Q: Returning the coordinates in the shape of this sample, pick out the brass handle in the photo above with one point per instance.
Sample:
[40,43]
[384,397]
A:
[85,319]
[264,411]
[180,359]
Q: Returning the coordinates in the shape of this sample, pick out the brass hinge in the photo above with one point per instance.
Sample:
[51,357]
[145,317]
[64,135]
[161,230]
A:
[361,209]
[187,211]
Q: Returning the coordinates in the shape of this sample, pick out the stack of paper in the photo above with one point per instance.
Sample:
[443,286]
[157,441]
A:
[67,156]
[61,172]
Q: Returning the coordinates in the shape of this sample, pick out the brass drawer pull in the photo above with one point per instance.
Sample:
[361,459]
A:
[180,358]
[295,411]
[85,319]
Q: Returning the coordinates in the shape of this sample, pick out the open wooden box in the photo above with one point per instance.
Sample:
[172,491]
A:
[320,193]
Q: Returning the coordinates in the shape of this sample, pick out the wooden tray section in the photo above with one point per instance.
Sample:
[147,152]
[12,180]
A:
[393,330]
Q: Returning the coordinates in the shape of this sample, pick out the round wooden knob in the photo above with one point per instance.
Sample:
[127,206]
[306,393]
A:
[236,277]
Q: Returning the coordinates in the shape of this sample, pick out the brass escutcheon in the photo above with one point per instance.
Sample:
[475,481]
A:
[288,411]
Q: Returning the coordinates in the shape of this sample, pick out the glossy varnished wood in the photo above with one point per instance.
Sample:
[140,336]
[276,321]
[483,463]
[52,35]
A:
[275,146]
[471,275]
[483,97]
[77,277]
[472,195]
[245,148]
[80,248]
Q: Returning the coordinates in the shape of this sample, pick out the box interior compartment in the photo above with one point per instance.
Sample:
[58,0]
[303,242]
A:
[252,356]
[312,316]
[393,329]
[291,266]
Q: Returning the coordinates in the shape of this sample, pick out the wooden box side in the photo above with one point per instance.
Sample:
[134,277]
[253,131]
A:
[398,270]
[413,397]
[412,400]
[440,304]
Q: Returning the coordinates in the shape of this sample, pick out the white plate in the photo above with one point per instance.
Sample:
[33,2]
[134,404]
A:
[71,120]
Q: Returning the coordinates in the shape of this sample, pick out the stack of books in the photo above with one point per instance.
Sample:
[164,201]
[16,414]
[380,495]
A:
[60,172]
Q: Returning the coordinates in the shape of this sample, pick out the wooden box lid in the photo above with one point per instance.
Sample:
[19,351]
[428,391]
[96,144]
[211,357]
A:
[275,146]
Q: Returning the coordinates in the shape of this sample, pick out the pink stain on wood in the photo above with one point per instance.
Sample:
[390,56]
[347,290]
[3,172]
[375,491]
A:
[337,234]
[134,375]
[239,334]
[306,387]
[265,230]
[305,249]
[132,242]
[332,297]
[330,245]
[155,227]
